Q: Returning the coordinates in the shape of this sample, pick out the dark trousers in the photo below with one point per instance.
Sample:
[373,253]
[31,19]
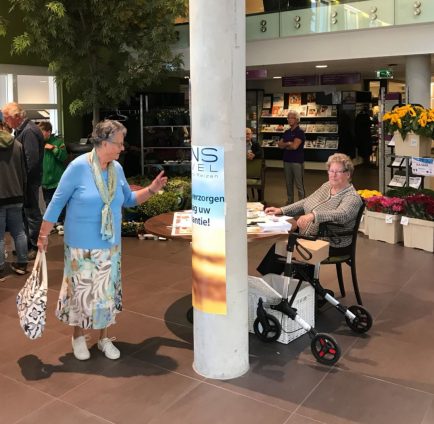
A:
[32,215]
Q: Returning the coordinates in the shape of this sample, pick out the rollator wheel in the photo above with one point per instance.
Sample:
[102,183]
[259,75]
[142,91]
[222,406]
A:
[325,349]
[269,332]
[189,315]
[320,301]
[363,320]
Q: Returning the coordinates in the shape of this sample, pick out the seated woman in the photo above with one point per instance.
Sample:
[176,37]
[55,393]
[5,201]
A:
[335,202]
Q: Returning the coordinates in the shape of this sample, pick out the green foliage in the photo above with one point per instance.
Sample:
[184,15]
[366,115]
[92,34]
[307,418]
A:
[407,191]
[102,51]
[139,180]
[182,187]
[158,204]
[3,25]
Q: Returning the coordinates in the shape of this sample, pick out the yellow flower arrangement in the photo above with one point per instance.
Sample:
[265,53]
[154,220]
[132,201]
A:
[366,194]
[410,118]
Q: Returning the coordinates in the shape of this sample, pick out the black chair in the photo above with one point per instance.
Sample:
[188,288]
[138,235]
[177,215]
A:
[349,259]
[256,177]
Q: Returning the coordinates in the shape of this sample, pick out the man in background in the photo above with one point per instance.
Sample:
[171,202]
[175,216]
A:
[13,180]
[32,140]
[53,166]
[292,144]
[253,149]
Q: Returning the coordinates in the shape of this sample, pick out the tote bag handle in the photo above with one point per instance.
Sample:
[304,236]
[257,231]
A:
[40,267]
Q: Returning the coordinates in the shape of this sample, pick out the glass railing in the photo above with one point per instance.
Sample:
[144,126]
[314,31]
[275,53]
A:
[284,18]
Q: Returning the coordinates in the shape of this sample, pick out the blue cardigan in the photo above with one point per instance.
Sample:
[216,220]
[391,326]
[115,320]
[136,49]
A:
[77,190]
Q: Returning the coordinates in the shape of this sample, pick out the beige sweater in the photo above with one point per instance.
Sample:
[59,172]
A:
[341,209]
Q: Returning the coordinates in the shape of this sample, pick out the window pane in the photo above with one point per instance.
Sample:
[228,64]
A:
[36,89]
[5,95]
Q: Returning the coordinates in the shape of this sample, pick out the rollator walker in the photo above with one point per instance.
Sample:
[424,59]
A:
[323,346]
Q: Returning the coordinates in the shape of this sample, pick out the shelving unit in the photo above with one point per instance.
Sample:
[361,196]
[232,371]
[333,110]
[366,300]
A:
[167,147]
[321,137]
[400,171]
[166,144]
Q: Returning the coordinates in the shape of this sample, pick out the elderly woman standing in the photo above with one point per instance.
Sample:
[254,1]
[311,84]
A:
[335,202]
[94,190]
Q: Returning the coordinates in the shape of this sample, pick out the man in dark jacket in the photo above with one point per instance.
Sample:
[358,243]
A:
[32,140]
[13,177]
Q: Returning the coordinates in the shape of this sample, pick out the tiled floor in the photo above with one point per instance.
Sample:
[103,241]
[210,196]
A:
[385,376]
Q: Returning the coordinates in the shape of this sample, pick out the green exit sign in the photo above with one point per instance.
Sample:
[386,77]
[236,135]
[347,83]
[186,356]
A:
[385,74]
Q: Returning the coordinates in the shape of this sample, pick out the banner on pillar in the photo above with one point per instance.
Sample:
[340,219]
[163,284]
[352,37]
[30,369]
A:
[208,229]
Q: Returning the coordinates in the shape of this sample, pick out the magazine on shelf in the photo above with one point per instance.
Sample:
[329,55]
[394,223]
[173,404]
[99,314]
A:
[276,110]
[311,110]
[330,127]
[320,142]
[415,182]
[398,162]
[308,144]
[320,128]
[310,128]
[397,181]
[266,103]
[331,143]
[265,113]
[302,110]
[303,127]
[294,99]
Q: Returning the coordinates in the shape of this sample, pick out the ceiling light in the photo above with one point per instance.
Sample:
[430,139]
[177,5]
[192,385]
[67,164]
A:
[277,77]
[321,66]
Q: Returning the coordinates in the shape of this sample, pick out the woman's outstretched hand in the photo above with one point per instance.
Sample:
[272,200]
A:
[159,182]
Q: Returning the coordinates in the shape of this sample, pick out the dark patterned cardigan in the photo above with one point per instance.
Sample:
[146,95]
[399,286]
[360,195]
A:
[341,209]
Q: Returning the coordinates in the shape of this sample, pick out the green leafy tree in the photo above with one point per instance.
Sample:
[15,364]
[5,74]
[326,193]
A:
[103,51]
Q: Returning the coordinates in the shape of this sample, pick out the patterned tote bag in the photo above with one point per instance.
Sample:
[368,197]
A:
[32,299]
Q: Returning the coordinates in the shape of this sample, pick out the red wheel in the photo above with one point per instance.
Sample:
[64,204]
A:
[325,349]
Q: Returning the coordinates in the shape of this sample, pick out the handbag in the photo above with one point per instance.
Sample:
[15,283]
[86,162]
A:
[32,299]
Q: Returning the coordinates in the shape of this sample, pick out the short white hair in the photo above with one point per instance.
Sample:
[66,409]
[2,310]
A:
[295,113]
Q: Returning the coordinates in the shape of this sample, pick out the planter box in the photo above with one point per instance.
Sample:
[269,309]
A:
[413,145]
[384,227]
[363,226]
[419,233]
[270,288]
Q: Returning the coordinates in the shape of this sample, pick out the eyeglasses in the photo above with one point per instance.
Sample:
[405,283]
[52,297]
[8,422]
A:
[120,145]
[337,172]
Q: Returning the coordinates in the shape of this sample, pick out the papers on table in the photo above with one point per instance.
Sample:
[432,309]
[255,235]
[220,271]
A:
[257,222]
[181,225]
[281,225]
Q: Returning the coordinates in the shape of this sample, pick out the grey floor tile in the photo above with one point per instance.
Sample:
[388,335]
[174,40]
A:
[344,398]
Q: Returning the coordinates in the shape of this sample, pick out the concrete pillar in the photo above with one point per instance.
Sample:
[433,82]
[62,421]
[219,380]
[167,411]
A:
[218,104]
[418,79]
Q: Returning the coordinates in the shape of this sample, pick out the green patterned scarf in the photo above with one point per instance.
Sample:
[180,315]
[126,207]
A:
[107,193]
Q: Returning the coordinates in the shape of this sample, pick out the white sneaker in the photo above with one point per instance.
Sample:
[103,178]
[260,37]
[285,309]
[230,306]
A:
[110,350]
[60,230]
[79,347]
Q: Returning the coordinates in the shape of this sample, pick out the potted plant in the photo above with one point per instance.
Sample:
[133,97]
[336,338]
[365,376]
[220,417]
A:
[383,214]
[162,202]
[366,194]
[418,222]
[412,127]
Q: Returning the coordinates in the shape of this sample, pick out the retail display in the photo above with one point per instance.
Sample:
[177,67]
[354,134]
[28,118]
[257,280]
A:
[318,121]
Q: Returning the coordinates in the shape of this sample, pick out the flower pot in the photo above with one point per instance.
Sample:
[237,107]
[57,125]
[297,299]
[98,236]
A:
[363,226]
[413,145]
[419,233]
[384,227]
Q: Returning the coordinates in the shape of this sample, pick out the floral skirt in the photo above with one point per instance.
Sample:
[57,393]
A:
[91,292]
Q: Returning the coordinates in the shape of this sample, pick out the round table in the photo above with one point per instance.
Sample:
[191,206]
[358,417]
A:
[161,225]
